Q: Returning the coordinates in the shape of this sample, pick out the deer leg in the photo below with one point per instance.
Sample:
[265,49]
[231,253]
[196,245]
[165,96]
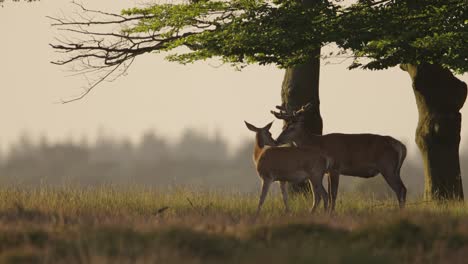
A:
[334,180]
[265,186]
[395,182]
[329,187]
[319,191]
[401,193]
[324,194]
[317,197]
[284,192]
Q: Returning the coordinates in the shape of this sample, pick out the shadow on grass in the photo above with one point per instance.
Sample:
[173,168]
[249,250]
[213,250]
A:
[398,240]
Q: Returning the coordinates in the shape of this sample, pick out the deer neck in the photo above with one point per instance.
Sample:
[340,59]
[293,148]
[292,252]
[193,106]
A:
[308,137]
[258,148]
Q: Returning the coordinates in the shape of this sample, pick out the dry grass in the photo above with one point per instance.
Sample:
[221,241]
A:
[114,225]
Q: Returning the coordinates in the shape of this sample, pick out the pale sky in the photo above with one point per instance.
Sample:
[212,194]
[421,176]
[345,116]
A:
[168,97]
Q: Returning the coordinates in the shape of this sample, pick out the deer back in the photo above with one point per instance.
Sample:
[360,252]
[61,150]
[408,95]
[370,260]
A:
[284,160]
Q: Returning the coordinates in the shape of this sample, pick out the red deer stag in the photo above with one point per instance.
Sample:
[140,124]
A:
[359,155]
[287,164]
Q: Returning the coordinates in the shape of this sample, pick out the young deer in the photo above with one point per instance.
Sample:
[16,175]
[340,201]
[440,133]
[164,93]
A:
[287,164]
[358,155]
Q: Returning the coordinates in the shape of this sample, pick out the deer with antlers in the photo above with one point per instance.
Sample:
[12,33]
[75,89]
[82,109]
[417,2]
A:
[288,163]
[358,155]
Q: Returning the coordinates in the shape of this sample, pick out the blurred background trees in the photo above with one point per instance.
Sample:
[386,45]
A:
[196,160]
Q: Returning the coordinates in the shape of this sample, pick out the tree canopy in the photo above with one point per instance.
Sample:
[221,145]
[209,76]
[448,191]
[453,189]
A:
[377,33]
[407,31]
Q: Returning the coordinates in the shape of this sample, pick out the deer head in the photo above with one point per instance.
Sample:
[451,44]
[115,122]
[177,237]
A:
[263,135]
[293,130]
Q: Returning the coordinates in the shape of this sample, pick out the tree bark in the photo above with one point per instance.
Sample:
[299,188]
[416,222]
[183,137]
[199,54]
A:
[301,86]
[439,98]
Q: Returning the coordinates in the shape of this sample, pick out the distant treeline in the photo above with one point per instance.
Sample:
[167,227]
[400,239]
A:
[196,160]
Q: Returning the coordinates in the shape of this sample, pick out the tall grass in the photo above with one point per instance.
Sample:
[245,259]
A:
[187,225]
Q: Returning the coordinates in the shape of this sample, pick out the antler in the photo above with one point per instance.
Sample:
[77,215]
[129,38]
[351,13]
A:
[283,113]
[288,115]
[303,109]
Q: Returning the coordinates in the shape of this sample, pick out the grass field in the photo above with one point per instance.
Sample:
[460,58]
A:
[133,225]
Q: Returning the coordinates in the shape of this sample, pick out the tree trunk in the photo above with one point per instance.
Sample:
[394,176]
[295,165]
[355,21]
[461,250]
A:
[301,86]
[439,98]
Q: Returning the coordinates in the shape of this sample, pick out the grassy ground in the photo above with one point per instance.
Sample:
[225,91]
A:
[133,225]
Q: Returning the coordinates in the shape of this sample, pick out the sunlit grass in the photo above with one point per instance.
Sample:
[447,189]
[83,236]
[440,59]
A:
[187,225]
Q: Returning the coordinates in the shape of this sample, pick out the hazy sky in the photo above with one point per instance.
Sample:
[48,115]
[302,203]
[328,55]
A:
[168,97]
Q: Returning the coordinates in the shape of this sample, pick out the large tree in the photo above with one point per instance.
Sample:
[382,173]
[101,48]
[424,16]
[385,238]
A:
[300,86]
[290,34]
[428,39]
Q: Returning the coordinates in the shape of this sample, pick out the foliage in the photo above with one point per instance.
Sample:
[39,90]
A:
[241,31]
[261,33]
[387,32]
[404,31]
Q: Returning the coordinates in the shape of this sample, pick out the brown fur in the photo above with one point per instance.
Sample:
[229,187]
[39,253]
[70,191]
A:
[285,160]
[359,155]
[288,164]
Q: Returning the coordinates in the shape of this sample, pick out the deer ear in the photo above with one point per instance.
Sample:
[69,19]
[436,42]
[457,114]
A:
[267,127]
[251,127]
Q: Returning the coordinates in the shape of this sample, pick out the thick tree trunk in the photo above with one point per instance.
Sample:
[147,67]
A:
[301,86]
[439,98]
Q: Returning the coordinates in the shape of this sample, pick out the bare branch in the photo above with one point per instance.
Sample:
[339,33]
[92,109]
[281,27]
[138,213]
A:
[99,43]
[88,90]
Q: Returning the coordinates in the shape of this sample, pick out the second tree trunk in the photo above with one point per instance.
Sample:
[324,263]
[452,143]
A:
[439,98]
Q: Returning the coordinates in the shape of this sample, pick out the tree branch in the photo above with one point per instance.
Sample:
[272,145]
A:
[98,47]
